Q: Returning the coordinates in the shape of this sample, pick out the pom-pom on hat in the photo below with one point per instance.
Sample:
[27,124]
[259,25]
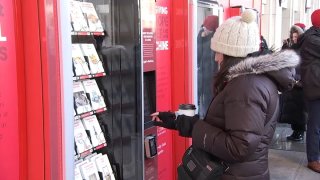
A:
[315,18]
[211,23]
[238,36]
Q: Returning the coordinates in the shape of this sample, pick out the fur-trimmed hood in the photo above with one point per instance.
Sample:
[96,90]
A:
[296,29]
[279,66]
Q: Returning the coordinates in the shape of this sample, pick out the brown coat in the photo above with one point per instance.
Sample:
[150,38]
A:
[240,121]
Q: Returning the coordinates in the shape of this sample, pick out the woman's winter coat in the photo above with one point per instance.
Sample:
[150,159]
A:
[310,62]
[292,105]
[292,109]
[241,119]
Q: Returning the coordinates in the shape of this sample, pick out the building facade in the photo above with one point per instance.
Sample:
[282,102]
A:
[277,16]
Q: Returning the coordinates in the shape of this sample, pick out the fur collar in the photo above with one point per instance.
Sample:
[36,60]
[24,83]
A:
[264,64]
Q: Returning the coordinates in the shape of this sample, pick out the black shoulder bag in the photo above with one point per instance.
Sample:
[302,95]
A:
[197,164]
[200,165]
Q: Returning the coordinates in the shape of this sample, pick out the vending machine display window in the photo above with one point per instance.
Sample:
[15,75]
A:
[106,73]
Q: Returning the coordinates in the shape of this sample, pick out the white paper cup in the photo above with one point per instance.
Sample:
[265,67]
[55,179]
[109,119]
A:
[186,109]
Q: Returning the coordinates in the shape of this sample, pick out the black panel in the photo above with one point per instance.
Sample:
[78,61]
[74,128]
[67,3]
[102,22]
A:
[149,89]
[120,52]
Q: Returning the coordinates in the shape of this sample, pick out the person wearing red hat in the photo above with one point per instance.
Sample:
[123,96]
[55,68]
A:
[301,25]
[315,18]
[207,67]
[295,32]
[211,23]
[309,44]
[292,102]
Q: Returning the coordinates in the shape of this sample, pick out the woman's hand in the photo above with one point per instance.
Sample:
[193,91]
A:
[184,124]
[164,119]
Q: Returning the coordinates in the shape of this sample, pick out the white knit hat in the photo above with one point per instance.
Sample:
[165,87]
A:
[237,36]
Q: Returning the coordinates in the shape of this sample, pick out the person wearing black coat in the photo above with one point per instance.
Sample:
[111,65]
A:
[207,67]
[241,119]
[291,42]
[309,44]
[292,108]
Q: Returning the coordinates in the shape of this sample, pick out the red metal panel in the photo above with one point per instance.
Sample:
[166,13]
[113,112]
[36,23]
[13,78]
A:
[181,86]
[21,91]
[178,29]
[9,103]
[163,86]
[178,70]
[42,75]
[45,81]
[234,12]
[34,100]
[51,89]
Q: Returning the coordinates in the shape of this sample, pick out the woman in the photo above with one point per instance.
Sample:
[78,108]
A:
[291,42]
[292,105]
[241,119]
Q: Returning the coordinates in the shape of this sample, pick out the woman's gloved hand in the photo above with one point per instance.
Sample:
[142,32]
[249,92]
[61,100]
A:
[184,124]
[164,119]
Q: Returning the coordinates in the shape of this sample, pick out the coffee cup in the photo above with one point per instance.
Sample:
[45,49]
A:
[186,109]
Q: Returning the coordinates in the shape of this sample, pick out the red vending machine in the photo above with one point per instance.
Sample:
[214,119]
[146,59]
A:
[157,77]
[82,78]
[168,79]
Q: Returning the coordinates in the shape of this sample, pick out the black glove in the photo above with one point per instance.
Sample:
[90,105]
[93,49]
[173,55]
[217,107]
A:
[168,120]
[184,124]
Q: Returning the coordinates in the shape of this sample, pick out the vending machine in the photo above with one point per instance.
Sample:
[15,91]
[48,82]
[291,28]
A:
[83,77]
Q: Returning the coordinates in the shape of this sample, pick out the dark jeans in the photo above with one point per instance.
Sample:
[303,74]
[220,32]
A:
[313,131]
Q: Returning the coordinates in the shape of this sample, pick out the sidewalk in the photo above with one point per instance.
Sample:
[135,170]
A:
[287,160]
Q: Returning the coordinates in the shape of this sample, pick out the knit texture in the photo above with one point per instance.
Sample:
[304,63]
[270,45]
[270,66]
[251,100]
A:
[315,18]
[237,36]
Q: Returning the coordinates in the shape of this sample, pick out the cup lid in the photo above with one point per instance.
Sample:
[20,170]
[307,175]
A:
[187,107]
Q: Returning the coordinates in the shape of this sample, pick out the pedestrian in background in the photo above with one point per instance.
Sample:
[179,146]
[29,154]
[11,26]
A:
[301,25]
[295,32]
[241,119]
[207,67]
[310,76]
[292,105]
